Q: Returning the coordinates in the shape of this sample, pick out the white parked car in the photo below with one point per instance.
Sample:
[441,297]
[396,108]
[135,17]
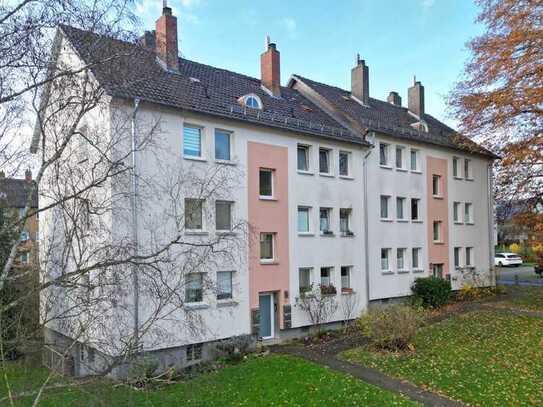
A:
[507,259]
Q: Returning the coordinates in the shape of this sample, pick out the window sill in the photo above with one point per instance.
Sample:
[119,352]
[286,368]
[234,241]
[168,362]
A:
[305,234]
[386,220]
[347,234]
[268,262]
[458,223]
[416,171]
[416,221]
[437,196]
[347,177]
[194,158]
[302,172]
[267,198]
[457,177]
[386,167]
[193,306]
[387,272]
[403,271]
[401,169]
[351,292]
[418,270]
[196,233]
[227,303]
[469,179]
[327,234]
[226,233]
[324,174]
[438,242]
[470,223]
[225,162]
[402,220]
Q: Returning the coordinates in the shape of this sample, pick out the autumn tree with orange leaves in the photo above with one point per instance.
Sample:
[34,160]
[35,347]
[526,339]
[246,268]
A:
[499,101]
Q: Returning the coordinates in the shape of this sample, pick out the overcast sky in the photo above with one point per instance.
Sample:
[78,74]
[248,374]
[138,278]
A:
[319,39]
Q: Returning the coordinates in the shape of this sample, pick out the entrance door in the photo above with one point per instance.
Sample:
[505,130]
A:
[266,316]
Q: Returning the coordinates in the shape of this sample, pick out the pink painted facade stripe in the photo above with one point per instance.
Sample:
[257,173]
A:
[437,210]
[268,216]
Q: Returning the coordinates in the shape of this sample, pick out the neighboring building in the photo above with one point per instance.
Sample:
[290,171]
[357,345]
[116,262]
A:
[339,189]
[510,229]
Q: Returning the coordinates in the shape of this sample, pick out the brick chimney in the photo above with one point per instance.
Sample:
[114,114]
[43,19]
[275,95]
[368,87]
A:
[166,38]
[360,84]
[270,68]
[28,175]
[415,99]
[394,99]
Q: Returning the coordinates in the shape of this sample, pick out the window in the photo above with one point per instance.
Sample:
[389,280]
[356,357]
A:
[303,219]
[223,215]
[303,158]
[437,270]
[23,258]
[414,160]
[468,212]
[346,278]
[455,167]
[457,257]
[194,352]
[383,154]
[192,141]
[24,236]
[437,231]
[344,221]
[399,157]
[224,285]
[194,291]
[344,163]
[266,183]
[324,161]
[469,256]
[456,212]
[305,279]
[400,259]
[415,204]
[384,206]
[252,101]
[385,259]
[326,276]
[415,258]
[400,212]
[325,221]
[193,214]
[467,169]
[222,145]
[266,247]
[436,185]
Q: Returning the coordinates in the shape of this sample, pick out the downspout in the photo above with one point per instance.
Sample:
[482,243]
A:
[491,220]
[135,280]
[366,217]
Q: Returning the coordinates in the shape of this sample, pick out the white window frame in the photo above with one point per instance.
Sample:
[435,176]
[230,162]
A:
[457,255]
[349,165]
[402,251]
[202,208]
[330,275]
[231,214]
[348,287]
[272,172]
[469,257]
[329,211]
[387,199]
[309,270]
[349,231]
[230,145]
[232,274]
[457,161]
[457,207]
[273,254]
[419,218]
[330,156]
[400,203]
[439,231]
[417,251]
[468,169]
[245,98]
[386,149]
[468,210]
[307,149]
[387,251]
[439,192]
[202,287]
[402,150]
[308,209]
[417,160]
[201,129]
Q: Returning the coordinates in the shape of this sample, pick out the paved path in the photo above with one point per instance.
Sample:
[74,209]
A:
[326,355]
[523,275]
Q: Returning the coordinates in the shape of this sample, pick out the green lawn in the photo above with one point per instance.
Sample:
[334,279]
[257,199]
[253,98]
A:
[528,298]
[482,358]
[262,381]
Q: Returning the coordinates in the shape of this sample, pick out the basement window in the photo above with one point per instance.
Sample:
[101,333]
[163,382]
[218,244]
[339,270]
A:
[194,352]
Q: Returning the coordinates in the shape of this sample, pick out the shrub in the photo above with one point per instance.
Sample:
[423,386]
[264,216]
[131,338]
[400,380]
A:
[433,292]
[391,328]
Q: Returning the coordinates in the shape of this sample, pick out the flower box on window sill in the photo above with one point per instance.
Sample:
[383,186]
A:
[348,233]
[347,290]
[327,233]
[328,289]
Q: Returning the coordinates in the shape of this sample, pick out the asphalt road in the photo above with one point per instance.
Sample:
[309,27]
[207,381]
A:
[524,273]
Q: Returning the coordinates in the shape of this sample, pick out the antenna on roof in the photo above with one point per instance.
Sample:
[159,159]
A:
[164,3]
[357,60]
[414,79]
[267,42]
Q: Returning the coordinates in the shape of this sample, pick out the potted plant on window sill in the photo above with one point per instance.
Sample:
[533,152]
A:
[346,290]
[327,232]
[348,233]
[328,289]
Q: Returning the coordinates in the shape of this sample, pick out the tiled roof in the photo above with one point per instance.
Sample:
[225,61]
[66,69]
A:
[394,120]
[14,193]
[132,71]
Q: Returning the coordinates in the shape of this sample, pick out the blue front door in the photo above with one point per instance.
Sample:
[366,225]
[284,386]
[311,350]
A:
[266,316]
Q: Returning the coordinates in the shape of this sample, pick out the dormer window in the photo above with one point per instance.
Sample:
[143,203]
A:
[252,101]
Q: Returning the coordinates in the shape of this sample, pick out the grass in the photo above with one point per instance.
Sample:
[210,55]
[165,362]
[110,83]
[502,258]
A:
[259,381]
[525,297]
[483,358]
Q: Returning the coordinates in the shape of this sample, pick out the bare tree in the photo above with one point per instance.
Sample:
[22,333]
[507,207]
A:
[349,305]
[119,258]
[318,306]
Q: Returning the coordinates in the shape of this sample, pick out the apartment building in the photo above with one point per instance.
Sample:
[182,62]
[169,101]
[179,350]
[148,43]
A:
[339,190]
